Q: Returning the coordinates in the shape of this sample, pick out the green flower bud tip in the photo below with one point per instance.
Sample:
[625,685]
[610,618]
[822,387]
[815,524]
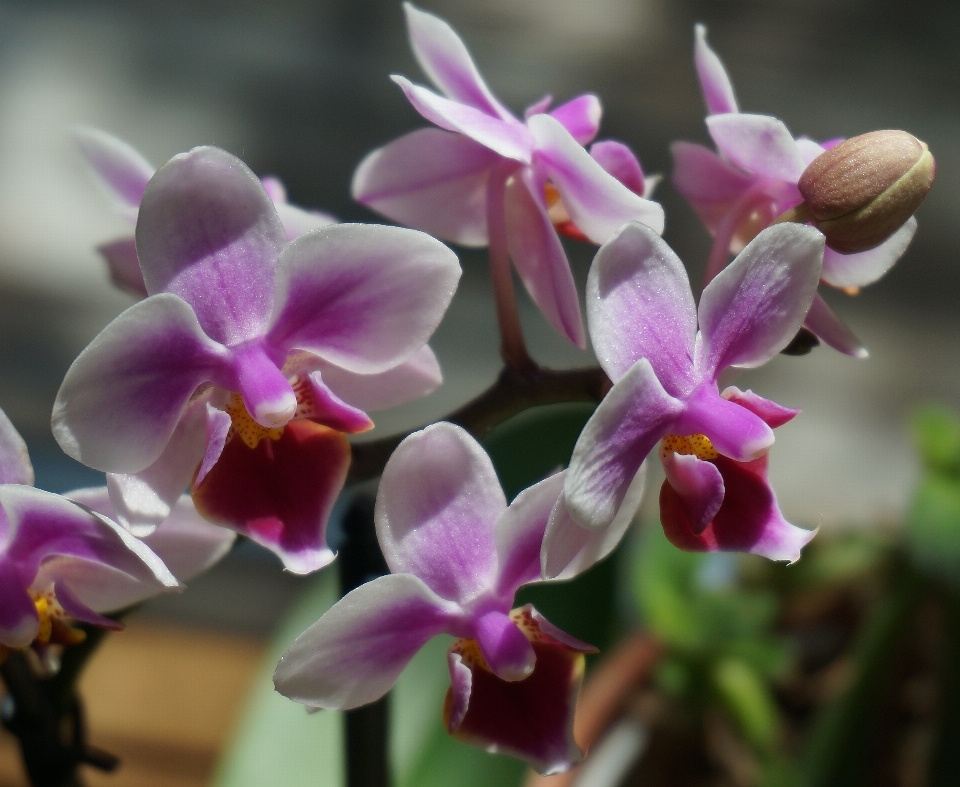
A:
[863,190]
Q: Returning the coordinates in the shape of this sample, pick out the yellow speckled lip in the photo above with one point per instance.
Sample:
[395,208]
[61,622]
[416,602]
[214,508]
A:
[243,424]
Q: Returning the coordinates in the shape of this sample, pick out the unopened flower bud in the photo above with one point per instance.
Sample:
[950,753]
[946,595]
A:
[863,190]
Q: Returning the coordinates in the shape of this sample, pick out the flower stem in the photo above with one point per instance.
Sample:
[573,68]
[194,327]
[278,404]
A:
[513,348]
[366,729]
[515,390]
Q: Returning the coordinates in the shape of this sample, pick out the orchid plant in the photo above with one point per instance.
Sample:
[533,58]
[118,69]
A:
[264,334]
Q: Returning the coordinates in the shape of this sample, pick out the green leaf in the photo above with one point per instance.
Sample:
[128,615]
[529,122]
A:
[933,527]
[937,432]
[747,698]
[537,442]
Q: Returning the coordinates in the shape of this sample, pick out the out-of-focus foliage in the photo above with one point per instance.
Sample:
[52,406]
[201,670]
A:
[933,522]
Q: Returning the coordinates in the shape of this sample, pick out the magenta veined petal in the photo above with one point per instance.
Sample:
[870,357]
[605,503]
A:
[118,404]
[416,377]
[710,183]
[859,270]
[755,306]
[831,330]
[431,180]
[597,202]
[208,232]
[445,60]
[362,297]
[121,170]
[630,420]
[509,139]
[581,117]
[520,532]
[438,505]
[539,257]
[717,90]
[639,305]
[15,465]
[617,159]
[773,414]
[758,143]
[355,652]
[569,549]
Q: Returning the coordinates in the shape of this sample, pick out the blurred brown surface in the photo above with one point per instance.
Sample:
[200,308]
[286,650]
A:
[164,699]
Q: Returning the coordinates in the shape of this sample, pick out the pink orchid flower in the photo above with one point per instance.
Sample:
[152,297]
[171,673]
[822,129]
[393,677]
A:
[665,355]
[62,562]
[484,177]
[752,180]
[230,374]
[458,554]
[124,173]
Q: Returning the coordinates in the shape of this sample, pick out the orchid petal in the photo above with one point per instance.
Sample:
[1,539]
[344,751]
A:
[123,265]
[505,648]
[280,493]
[508,139]
[18,615]
[580,116]
[186,543]
[217,428]
[363,297]
[748,521]
[639,305]
[141,501]
[123,396]
[15,466]
[831,330]
[809,149]
[717,90]
[430,180]
[773,414]
[438,505]
[859,270]
[416,377]
[758,143]
[569,550]
[733,430]
[539,107]
[698,485]
[79,611]
[531,719]
[630,420]
[354,653]
[539,258]
[597,202]
[754,306]
[297,221]
[445,60]
[43,526]
[618,160]
[209,233]
[708,182]
[520,532]
[120,168]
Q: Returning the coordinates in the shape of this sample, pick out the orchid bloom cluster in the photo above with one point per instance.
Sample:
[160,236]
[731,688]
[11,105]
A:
[222,401]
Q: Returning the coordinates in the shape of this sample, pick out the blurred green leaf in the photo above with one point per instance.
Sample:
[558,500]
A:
[537,442]
[937,432]
[933,527]
[745,695]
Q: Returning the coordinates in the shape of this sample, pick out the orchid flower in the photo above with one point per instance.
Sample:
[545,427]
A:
[458,554]
[123,173]
[484,177]
[229,374]
[752,180]
[62,562]
[644,327]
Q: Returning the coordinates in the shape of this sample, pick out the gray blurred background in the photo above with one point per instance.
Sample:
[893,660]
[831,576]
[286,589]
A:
[300,90]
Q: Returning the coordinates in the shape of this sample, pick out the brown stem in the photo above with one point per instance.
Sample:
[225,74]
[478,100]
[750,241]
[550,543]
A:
[513,349]
[515,390]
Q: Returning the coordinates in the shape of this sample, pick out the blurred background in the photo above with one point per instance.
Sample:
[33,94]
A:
[299,89]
